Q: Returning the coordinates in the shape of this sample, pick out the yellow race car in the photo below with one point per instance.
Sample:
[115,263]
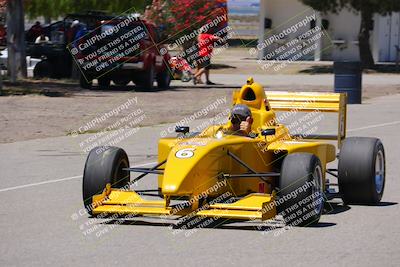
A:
[222,175]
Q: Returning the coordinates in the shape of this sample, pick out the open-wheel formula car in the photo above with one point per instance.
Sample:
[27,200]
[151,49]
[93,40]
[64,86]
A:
[218,174]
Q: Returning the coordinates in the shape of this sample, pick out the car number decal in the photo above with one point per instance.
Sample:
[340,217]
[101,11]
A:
[185,153]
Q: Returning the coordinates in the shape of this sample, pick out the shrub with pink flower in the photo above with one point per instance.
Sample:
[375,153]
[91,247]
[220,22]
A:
[180,17]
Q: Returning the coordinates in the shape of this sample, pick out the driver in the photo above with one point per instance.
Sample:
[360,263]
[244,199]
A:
[241,120]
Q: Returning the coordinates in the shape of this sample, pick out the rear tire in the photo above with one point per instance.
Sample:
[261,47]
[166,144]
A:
[361,170]
[164,79]
[104,165]
[43,69]
[301,195]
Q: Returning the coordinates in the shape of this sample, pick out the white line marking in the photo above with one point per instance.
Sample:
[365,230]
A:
[374,126]
[40,183]
[58,180]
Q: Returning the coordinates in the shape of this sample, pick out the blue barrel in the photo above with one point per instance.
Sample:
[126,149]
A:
[348,79]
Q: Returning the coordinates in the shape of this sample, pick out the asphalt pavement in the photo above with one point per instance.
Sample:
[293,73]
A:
[41,207]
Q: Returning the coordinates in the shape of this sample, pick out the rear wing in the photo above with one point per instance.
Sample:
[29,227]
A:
[311,101]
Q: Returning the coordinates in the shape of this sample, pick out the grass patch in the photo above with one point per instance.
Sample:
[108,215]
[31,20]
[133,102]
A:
[13,91]
[46,87]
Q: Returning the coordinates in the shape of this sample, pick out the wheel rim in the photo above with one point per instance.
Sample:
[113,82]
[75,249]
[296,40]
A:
[317,190]
[120,174]
[379,172]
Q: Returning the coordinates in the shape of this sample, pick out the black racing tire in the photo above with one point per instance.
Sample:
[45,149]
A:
[85,83]
[104,82]
[104,165]
[121,82]
[164,79]
[300,198]
[361,170]
[43,69]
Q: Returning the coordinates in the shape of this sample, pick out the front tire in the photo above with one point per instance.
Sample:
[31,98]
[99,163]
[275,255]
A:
[104,165]
[361,170]
[121,82]
[147,79]
[84,83]
[104,82]
[301,195]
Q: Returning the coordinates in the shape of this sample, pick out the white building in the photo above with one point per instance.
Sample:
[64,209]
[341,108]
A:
[340,41]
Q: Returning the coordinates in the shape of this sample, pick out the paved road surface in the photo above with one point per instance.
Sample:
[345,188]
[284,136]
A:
[40,196]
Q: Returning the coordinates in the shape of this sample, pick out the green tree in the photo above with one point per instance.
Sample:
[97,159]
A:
[366,9]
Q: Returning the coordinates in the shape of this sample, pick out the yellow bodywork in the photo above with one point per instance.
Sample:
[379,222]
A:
[195,165]
[129,202]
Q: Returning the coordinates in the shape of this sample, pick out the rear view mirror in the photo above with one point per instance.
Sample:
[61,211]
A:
[182,129]
[267,132]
